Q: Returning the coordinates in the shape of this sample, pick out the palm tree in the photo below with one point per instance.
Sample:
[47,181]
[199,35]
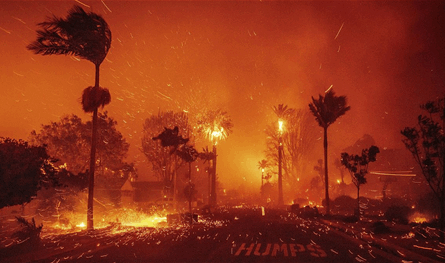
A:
[326,111]
[87,36]
[262,165]
[282,112]
[189,154]
[215,125]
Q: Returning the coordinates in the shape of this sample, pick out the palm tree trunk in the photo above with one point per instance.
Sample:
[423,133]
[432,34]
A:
[90,222]
[213,192]
[358,201]
[326,181]
[442,218]
[280,172]
[442,199]
[175,181]
[191,193]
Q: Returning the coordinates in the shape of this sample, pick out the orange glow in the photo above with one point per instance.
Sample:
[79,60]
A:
[280,126]
[419,218]
[81,225]
[187,57]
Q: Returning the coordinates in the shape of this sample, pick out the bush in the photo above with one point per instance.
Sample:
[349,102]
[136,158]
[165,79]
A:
[398,214]
[351,219]
[428,204]
[29,231]
[308,211]
[379,227]
[344,203]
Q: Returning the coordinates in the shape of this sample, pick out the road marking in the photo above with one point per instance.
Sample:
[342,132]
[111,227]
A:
[281,249]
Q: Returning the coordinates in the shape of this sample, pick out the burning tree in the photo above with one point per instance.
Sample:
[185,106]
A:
[426,142]
[215,125]
[357,166]
[298,138]
[85,35]
[159,154]
[327,110]
[24,169]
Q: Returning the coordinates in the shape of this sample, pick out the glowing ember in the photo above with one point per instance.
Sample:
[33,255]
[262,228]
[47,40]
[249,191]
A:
[150,221]
[81,225]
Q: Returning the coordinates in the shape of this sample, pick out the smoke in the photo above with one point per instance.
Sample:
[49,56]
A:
[243,57]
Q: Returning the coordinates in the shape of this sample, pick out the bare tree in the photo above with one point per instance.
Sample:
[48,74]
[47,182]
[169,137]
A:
[298,138]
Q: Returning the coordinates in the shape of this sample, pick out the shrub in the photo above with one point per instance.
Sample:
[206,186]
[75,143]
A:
[28,231]
[379,227]
[398,214]
[351,219]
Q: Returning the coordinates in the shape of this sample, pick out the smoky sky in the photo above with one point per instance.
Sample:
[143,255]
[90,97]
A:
[243,57]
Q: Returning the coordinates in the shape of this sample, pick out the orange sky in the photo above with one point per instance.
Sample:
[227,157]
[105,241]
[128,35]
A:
[243,57]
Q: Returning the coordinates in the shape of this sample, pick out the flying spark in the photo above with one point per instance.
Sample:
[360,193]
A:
[77,1]
[106,6]
[7,32]
[339,30]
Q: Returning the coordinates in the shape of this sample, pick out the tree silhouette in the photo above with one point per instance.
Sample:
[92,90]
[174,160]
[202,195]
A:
[357,166]
[298,138]
[262,165]
[69,140]
[282,112]
[327,110]
[170,137]
[161,137]
[426,142]
[85,35]
[24,169]
[189,154]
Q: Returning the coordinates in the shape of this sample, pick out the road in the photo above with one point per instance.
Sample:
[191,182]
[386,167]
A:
[236,235]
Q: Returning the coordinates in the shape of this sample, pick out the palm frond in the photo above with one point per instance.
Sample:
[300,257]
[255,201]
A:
[81,34]
[215,125]
[282,111]
[329,108]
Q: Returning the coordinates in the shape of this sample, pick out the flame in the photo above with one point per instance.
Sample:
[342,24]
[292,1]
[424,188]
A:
[216,133]
[150,221]
[70,222]
[419,218]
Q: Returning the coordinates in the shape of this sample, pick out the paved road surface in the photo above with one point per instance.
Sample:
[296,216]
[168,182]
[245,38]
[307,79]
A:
[241,235]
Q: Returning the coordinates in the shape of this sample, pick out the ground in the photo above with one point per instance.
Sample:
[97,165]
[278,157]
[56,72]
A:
[238,234]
